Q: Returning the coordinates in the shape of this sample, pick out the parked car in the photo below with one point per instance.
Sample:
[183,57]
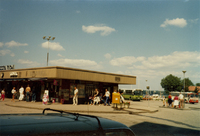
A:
[63,123]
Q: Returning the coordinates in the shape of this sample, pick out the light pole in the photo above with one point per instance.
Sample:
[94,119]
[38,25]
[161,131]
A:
[49,38]
[184,87]
[184,78]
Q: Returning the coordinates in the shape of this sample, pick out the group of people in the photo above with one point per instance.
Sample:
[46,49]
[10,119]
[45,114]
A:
[21,93]
[99,98]
[175,102]
[96,98]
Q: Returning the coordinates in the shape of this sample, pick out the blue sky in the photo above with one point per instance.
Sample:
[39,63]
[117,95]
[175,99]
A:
[149,39]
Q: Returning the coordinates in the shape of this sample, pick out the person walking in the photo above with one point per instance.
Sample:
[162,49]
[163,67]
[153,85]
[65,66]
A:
[13,92]
[21,92]
[28,90]
[33,94]
[107,94]
[170,100]
[180,97]
[75,98]
[2,94]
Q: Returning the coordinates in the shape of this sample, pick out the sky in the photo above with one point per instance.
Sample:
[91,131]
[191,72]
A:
[149,39]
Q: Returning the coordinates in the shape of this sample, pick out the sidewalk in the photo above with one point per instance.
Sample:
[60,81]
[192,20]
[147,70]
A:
[82,108]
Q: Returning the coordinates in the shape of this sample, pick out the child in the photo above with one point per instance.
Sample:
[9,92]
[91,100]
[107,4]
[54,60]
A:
[45,99]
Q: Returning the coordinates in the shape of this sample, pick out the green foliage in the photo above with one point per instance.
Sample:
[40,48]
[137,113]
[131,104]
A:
[197,84]
[196,90]
[188,83]
[171,83]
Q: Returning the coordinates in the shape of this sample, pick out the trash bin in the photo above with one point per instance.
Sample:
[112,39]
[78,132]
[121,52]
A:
[53,100]
[116,98]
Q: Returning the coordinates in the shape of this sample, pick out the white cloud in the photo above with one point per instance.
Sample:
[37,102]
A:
[107,56]
[78,63]
[1,44]
[4,52]
[28,63]
[15,44]
[179,22]
[53,46]
[78,12]
[105,30]
[172,61]
[26,52]
[127,60]
[59,55]
[194,21]
[12,55]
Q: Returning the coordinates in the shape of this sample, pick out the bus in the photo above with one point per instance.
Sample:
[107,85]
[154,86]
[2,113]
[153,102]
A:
[135,94]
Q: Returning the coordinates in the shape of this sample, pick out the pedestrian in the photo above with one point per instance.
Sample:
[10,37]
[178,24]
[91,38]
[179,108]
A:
[75,98]
[28,90]
[107,95]
[14,93]
[33,94]
[96,92]
[176,102]
[21,93]
[121,98]
[45,99]
[164,101]
[2,94]
[170,99]
[180,97]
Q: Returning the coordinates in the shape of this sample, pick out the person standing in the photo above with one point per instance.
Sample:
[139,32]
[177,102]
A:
[75,98]
[33,94]
[170,99]
[28,90]
[13,92]
[107,94]
[21,92]
[96,92]
[2,94]
[180,97]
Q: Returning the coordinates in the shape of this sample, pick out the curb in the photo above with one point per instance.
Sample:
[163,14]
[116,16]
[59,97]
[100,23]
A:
[175,108]
[106,112]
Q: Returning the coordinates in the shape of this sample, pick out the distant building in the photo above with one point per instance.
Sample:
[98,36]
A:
[192,88]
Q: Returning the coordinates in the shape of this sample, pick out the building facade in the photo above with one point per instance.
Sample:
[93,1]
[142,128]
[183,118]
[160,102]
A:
[60,82]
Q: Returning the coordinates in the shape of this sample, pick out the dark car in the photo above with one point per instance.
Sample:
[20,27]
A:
[63,123]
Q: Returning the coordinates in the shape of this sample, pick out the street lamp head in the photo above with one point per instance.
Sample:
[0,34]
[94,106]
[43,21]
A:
[53,38]
[48,39]
[184,71]
[44,37]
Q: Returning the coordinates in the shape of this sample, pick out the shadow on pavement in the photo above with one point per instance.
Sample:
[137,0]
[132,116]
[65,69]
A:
[152,129]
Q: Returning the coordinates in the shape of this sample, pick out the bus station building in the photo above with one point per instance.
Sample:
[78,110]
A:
[60,82]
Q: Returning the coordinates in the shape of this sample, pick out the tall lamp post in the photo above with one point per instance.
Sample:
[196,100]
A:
[184,87]
[184,79]
[48,38]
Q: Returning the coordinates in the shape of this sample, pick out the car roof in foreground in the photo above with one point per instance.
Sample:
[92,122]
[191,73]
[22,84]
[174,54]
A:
[26,124]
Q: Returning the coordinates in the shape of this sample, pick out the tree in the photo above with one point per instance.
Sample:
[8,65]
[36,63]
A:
[196,90]
[171,83]
[188,83]
[197,84]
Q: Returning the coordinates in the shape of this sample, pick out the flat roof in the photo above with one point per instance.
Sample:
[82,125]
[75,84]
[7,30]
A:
[57,72]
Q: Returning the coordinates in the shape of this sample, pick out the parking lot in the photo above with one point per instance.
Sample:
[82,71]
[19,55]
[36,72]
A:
[145,118]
